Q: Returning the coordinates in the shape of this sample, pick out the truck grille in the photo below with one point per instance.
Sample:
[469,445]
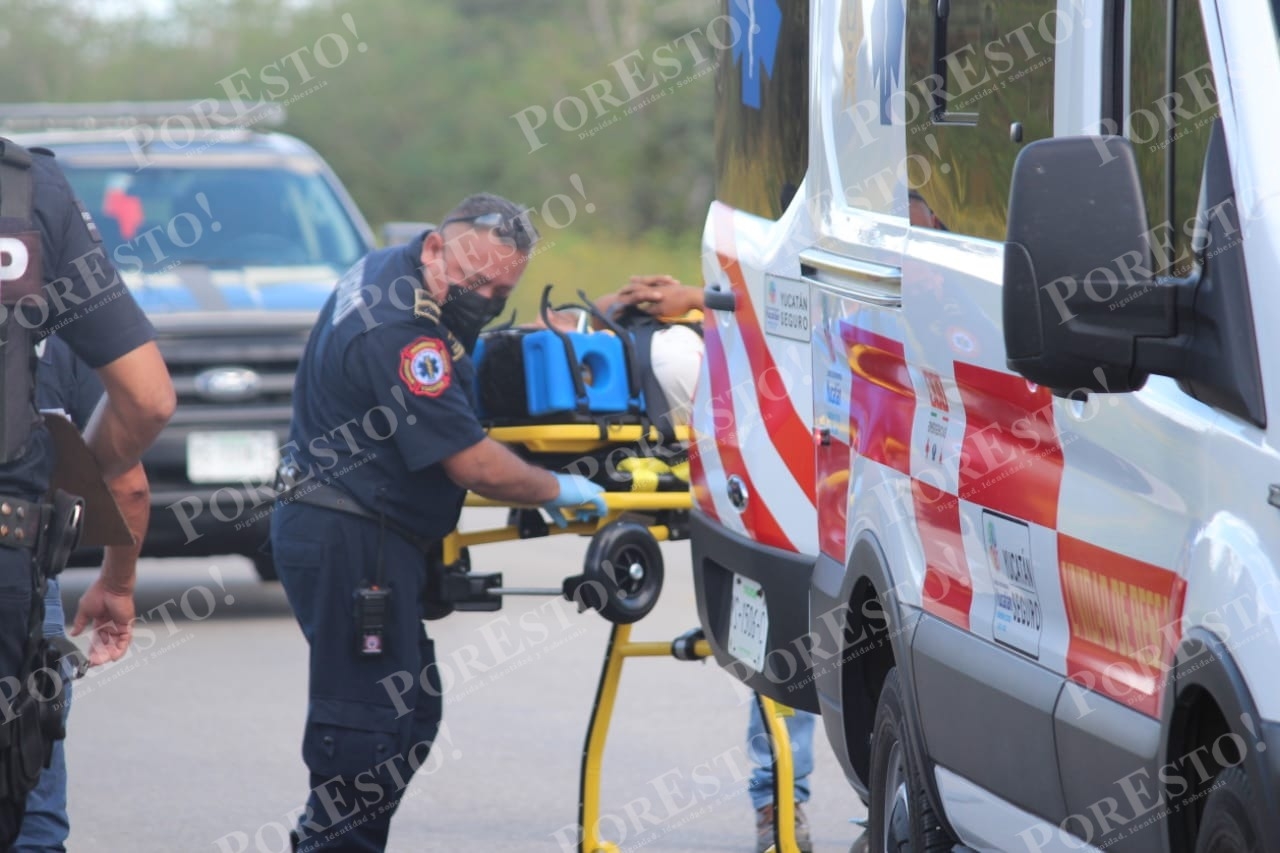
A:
[228,378]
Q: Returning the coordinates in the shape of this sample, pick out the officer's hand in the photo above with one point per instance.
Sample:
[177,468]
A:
[112,616]
[575,491]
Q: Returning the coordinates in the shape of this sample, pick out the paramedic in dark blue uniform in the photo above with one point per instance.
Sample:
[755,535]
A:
[384,446]
[81,296]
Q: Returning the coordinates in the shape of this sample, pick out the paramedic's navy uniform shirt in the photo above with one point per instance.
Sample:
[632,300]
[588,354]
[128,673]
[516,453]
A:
[64,382]
[88,306]
[398,385]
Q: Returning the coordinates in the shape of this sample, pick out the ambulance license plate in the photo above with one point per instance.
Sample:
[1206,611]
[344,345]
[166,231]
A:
[748,623]
[250,456]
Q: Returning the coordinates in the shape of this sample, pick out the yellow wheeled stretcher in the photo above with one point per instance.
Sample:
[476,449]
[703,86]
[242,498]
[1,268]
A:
[621,579]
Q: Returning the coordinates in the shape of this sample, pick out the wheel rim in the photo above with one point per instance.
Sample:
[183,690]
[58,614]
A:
[897,803]
[632,569]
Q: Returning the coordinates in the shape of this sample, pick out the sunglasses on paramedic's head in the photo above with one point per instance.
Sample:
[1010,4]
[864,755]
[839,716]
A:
[512,231]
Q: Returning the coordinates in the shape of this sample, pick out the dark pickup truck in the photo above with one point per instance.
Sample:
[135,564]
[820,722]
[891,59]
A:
[230,240]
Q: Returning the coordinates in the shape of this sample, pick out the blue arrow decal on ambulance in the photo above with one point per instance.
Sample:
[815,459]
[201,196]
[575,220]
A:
[757,25]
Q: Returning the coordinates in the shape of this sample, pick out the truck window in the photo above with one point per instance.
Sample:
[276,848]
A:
[977,70]
[152,218]
[762,105]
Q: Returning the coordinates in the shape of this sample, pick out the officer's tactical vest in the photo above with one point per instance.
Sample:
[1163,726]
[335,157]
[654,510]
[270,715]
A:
[21,280]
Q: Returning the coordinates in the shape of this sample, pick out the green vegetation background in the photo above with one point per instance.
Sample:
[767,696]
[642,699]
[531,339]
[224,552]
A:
[423,115]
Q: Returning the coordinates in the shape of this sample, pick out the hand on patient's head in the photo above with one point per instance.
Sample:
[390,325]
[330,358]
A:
[660,295]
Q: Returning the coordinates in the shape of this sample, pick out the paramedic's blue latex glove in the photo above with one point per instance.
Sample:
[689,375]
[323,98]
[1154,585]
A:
[575,491]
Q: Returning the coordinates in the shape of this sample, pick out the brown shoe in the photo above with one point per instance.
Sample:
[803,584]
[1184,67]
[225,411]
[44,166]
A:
[764,829]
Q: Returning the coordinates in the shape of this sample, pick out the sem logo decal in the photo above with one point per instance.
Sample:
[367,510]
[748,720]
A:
[758,24]
[835,388]
[937,393]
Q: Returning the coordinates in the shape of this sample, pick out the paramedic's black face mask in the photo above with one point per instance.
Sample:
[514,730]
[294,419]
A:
[465,312]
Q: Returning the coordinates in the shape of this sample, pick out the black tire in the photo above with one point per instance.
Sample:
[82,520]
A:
[901,819]
[1228,823]
[264,566]
[623,568]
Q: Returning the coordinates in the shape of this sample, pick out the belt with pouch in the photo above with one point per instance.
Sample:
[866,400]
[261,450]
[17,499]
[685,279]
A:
[322,495]
[22,522]
[51,530]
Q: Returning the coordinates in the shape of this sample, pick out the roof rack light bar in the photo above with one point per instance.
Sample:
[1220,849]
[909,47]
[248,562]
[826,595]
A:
[204,114]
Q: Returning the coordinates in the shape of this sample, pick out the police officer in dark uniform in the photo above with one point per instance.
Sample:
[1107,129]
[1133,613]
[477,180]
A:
[384,446]
[55,274]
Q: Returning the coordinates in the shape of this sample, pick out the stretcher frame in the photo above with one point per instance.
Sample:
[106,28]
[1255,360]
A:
[587,438]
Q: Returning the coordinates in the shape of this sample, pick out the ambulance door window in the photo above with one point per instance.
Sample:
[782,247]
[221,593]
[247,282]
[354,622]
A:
[865,105]
[762,105]
[1193,108]
[1173,102]
[984,69]
[1148,75]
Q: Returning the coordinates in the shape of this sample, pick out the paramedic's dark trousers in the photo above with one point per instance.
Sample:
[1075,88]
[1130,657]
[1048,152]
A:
[370,720]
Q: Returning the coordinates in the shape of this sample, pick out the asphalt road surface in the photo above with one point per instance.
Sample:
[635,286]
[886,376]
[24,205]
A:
[191,743]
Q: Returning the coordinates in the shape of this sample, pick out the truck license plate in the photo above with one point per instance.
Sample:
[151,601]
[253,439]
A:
[748,623]
[232,457]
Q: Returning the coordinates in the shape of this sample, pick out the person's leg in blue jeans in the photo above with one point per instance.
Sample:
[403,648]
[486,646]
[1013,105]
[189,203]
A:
[800,728]
[45,828]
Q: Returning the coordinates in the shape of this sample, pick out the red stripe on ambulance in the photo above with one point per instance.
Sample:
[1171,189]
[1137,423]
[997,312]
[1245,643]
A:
[1014,469]
[1125,621]
[786,428]
[760,523]
[882,403]
[948,585]
[698,480]
[834,462]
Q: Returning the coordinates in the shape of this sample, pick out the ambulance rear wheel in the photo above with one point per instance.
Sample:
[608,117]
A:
[902,821]
[623,568]
[1228,824]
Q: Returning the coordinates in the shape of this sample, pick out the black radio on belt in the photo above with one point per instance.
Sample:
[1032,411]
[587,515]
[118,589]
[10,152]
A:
[371,615]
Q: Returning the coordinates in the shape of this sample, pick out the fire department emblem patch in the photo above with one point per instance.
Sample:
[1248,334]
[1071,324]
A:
[425,367]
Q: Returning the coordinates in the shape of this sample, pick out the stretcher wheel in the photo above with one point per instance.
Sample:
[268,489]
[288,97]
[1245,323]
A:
[622,572]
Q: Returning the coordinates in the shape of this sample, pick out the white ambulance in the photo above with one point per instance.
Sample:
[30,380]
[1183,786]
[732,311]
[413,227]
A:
[986,468]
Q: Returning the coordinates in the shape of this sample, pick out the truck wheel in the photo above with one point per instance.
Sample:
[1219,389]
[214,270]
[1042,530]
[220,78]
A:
[902,821]
[1228,824]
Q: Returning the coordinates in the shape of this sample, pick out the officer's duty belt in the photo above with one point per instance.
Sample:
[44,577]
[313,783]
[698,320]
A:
[331,497]
[21,522]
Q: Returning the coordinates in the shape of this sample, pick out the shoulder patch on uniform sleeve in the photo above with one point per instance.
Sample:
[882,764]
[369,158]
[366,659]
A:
[88,221]
[425,367]
[425,306]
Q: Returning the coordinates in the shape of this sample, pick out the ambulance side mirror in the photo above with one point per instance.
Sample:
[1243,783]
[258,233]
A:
[1082,304]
